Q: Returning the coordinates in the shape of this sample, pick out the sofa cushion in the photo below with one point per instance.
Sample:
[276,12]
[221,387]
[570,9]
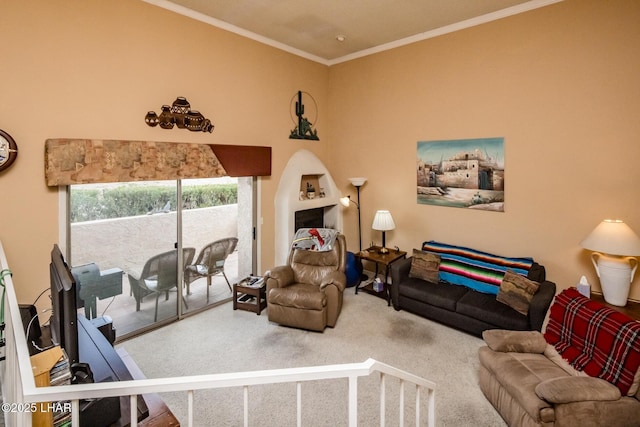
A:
[300,296]
[517,291]
[425,265]
[576,389]
[439,294]
[602,342]
[485,307]
[517,341]
[519,374]
[477,270]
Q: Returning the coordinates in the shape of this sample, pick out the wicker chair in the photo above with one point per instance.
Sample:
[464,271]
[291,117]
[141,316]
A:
[210,262]
[159,275]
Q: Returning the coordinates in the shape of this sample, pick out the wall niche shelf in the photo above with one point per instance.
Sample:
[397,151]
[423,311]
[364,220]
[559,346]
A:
[314,182]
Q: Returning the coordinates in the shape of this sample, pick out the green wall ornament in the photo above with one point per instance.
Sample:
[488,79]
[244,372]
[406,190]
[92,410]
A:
[304,128]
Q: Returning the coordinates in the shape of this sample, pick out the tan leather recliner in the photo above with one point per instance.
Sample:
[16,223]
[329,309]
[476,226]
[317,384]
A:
[307,293]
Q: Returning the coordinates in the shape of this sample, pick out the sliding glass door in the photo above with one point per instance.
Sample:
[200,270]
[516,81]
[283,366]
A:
[147,253]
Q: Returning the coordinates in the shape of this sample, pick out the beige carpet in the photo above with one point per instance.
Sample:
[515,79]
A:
[222,340]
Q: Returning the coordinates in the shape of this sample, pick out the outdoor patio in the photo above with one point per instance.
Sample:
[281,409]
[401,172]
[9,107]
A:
[122,308]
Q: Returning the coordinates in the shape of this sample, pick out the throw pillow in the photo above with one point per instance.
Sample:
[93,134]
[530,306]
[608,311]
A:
[505,341]
[517,291]
[425,266]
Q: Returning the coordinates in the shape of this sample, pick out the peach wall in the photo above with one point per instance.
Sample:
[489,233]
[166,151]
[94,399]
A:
[560,84]
[92,69]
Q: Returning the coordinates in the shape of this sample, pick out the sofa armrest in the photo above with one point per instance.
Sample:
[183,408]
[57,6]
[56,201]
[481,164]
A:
[577,389]
[336,278]
[279,277]
[540,304]
[505,341]
[399,273]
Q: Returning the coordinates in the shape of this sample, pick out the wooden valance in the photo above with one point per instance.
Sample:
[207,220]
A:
[86,161]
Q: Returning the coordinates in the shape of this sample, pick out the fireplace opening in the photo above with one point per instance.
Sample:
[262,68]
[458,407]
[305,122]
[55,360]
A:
[309,218]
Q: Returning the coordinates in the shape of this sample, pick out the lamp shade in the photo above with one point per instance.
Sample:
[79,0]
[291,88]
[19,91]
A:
[358,181]
[613,237]
[344,201]
[383,221]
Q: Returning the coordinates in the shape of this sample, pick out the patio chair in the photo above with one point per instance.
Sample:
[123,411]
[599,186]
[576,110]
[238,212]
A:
[210,262]
[159,275]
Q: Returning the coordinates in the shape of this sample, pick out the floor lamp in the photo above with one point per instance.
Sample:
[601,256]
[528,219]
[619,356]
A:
[356,182]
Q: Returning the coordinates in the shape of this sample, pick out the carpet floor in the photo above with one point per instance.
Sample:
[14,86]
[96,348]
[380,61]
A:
[222,340]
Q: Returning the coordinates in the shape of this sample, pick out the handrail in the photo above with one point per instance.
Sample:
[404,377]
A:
[16,369]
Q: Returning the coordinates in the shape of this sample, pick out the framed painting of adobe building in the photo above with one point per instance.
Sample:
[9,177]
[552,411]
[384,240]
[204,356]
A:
[461,173]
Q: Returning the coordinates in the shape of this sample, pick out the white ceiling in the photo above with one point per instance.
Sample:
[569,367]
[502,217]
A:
[309,27]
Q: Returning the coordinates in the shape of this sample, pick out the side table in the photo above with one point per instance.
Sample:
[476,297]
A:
[632,309]
[373,254]
[250,296]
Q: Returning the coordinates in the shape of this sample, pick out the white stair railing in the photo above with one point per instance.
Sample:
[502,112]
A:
[20,392]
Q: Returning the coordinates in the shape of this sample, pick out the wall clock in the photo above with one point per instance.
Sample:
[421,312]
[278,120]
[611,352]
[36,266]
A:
[8,150]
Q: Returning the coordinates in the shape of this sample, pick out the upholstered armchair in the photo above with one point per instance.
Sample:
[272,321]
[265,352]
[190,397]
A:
[307,293]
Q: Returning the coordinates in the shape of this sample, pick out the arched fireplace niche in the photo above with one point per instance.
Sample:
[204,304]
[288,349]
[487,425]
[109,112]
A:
[304,167]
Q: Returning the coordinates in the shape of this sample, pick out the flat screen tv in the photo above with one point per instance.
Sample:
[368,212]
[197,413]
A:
[64,316]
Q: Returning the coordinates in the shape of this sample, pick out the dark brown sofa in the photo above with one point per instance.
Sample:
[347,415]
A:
[464,308]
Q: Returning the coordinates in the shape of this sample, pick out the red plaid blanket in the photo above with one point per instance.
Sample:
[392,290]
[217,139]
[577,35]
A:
[602,342]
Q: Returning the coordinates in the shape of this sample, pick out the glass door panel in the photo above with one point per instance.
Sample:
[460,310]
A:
[123,252]
[211,219]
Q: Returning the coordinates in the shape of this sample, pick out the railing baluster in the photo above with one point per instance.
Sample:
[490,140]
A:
[353,401]
[133,413]
[75,413]
[401,422]
[383,399]
[246,406]
[190,408]
[432,407]
[418,389]
[299,404]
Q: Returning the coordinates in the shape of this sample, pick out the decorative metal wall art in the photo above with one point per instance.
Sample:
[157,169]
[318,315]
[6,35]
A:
[181,115]
[304,128]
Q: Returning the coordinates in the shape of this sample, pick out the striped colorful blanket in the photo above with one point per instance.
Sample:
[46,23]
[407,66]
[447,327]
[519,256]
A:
[474,269]
[602,342]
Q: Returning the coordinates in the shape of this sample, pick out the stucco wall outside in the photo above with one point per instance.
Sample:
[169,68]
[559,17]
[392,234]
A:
[127,243]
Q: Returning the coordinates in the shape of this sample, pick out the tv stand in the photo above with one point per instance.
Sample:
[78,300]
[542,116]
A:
[106,366]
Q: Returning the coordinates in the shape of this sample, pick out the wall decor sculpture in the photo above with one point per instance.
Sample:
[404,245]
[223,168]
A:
[464,173]
[304,128]
[181,115]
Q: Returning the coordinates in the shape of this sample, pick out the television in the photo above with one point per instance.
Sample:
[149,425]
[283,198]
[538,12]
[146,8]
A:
[64,313]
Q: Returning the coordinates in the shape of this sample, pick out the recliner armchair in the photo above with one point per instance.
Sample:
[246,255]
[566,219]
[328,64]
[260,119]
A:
[307,293]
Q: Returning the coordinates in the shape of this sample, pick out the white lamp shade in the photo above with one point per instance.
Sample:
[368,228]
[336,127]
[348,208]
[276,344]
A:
[613,237]
[358,181]
[383,221]
[344,201]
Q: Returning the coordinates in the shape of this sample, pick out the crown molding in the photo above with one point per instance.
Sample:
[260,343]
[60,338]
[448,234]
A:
[479,20]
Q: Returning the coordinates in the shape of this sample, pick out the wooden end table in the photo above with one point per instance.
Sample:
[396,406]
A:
[373,254]
[632,309]
[250,297]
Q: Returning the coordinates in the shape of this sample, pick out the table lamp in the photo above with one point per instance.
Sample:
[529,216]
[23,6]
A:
[383,221]
[615,246]
[356,182]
